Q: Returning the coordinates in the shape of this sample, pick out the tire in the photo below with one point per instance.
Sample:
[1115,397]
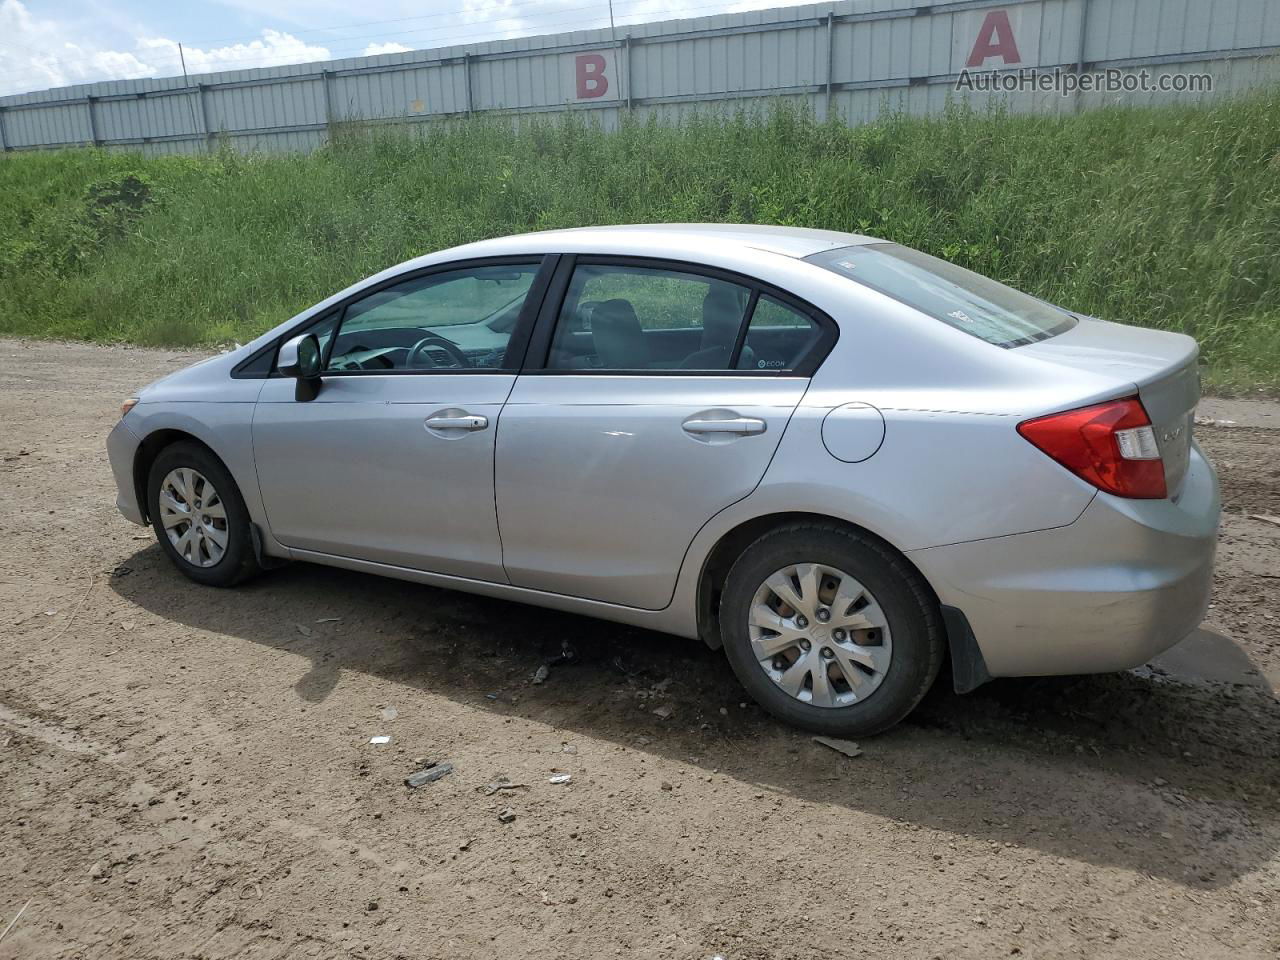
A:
[905,637]
[235,560]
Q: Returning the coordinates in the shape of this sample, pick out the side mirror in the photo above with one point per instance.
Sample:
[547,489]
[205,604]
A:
[300,358]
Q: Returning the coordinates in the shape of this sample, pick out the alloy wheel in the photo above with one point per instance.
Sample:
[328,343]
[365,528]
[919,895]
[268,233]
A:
[193,516]
[820,635]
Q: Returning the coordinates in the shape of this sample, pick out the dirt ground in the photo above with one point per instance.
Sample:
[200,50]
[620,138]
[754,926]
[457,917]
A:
[186,772]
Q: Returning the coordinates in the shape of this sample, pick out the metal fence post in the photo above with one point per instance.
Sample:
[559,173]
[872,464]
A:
[626,54]
[201,93]
[4,143]
[326,82]
[93,121]
[466,76]
[831,33]
[1084,25]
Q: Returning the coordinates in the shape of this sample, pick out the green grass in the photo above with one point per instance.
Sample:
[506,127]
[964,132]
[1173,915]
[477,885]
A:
[1167,217]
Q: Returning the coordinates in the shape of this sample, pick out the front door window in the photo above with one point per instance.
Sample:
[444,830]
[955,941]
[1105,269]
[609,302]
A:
[457,320]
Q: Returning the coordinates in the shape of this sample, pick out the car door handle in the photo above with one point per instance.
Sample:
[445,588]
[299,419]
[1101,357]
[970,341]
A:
[744,426]
[466,422]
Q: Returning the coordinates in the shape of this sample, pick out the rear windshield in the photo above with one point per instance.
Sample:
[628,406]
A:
[960,298]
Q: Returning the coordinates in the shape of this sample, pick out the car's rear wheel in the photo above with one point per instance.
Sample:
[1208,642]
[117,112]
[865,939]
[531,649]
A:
[830,630]
[199,516]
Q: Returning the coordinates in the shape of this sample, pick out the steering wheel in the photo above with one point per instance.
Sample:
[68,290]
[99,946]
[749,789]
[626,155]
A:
[419,351]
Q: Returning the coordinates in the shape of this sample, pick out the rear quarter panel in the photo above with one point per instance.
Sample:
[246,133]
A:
[940,476]
[952,467]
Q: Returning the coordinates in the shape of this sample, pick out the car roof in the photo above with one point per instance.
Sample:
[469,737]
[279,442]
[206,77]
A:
[795,242]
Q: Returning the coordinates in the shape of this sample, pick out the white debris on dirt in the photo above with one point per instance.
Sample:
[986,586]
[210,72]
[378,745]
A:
[16,917]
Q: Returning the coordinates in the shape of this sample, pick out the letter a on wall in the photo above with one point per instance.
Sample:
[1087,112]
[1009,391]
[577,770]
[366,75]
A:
[995,39]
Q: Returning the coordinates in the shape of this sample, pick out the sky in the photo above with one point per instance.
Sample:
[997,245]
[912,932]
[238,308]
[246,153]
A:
[53,43]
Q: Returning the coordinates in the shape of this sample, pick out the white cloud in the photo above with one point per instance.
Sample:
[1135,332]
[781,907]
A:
[37,54]
[274,49]
[374,49]
[494,19]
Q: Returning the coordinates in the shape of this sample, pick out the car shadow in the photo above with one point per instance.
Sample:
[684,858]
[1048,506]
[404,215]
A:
[1135,770]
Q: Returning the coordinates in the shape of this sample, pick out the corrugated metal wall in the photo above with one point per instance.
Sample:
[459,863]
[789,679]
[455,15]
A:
[850,59]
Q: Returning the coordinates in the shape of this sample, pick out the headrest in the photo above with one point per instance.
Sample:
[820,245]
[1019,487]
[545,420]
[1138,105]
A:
[618,338]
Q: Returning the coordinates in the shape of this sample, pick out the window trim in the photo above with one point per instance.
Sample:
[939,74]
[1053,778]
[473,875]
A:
[544,330]
[517,345]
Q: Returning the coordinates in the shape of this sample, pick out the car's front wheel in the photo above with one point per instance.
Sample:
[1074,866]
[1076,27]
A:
[830,630]
[199,516]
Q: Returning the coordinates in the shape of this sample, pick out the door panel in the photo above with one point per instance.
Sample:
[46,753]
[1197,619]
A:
[602,481]
[360,472]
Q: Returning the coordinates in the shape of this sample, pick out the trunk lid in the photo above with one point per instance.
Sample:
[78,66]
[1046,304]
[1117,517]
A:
[1161,365]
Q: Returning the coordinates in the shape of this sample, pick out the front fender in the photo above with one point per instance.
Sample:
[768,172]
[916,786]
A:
[226,428]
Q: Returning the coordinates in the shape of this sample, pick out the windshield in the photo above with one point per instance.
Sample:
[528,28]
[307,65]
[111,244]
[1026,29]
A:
[960,298]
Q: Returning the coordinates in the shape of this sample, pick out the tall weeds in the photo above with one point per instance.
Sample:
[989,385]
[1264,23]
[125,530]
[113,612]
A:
[1167,217]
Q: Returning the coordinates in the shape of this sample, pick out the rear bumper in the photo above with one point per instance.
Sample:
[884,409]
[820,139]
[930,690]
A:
[122,447]
[1124,582]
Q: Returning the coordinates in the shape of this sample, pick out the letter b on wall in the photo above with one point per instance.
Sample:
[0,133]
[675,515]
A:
[590,76]
[589,72]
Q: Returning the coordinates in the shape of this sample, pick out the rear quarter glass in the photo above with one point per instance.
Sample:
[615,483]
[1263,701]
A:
[968,301]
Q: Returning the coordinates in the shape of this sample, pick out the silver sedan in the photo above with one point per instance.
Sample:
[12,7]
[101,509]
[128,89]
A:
[842,460]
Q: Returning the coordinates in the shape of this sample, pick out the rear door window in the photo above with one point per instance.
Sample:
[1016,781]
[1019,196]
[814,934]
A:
[647,317]
[620,317]
[981,307]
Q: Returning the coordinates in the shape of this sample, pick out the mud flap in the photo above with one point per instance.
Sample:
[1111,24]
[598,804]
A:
[264,561]
[968,668]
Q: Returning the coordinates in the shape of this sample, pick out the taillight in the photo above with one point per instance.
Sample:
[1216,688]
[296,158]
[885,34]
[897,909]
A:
[1110,445]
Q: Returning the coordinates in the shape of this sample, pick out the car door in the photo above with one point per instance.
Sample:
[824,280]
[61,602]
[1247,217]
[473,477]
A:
[644,411]
[392,461]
